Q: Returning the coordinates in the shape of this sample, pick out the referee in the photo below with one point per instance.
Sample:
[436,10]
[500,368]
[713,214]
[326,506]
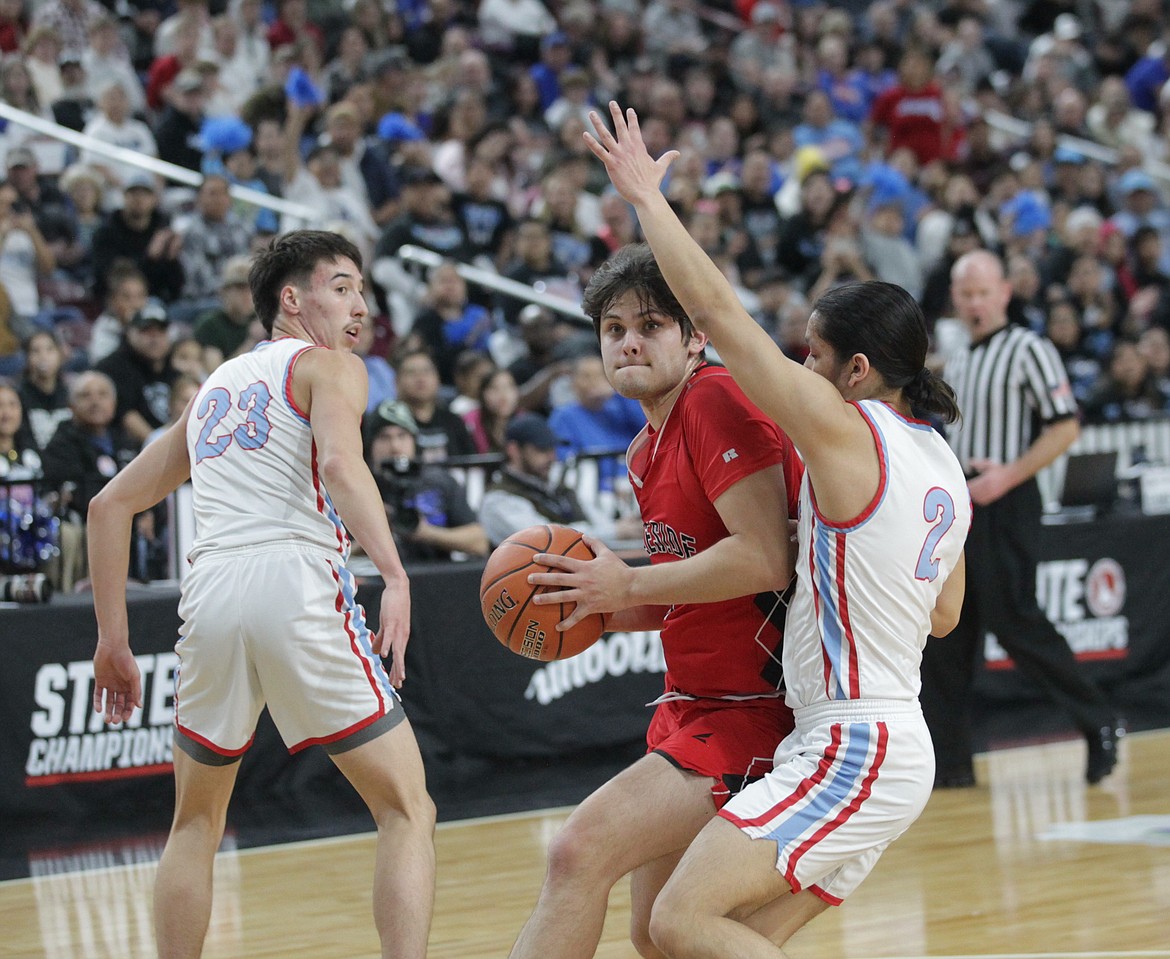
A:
[1006,382]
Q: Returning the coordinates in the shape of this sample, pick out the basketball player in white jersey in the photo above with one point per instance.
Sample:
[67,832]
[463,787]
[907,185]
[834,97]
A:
[884,512]
[272,446]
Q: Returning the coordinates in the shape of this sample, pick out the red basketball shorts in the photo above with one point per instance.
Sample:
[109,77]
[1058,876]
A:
[732,742]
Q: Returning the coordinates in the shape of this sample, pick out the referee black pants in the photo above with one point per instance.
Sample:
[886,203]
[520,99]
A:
[1001,599]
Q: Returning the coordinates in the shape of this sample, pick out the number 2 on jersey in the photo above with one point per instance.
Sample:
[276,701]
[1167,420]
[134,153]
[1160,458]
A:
[938,509]
[251,434]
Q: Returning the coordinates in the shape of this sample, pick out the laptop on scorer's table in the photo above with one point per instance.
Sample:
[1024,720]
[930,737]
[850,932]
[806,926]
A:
[1090,482]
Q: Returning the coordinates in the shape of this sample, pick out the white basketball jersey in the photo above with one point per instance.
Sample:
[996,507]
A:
[253,461]
[865,591]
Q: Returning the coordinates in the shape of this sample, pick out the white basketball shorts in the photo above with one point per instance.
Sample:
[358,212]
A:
[276,625]
[846,783]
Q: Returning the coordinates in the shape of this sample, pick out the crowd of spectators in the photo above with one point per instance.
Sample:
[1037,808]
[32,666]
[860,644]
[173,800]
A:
[820,143]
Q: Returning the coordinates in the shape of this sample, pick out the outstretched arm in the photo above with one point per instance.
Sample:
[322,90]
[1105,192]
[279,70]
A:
[156,472]
[337,386]
[806,405]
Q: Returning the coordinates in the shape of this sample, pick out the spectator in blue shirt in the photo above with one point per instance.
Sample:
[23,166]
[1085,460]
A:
[840,141]
[598,421]
[555,55]
[1145,79]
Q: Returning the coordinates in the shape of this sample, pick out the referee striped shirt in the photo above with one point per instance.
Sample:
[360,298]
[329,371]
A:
[1009,385]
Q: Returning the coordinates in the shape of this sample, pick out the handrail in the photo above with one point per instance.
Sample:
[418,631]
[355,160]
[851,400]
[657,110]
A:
[289,208]
[493,281]
[170,171]
[1089,148]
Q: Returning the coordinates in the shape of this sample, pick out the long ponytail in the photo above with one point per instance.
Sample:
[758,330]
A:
[883,322]
[928,393]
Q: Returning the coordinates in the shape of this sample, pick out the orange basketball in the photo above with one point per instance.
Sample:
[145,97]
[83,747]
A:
[505,596]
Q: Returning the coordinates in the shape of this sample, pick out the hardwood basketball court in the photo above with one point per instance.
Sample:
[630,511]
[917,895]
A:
[1033,864]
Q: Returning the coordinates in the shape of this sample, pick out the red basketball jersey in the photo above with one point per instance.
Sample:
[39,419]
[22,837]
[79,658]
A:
[711,439]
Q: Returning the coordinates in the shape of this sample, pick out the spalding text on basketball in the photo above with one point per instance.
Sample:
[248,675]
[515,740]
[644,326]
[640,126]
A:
[500,606]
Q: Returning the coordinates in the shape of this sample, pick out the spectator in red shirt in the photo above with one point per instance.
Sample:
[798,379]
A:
[11,25]
[163,70]
[293,26]
[912,113]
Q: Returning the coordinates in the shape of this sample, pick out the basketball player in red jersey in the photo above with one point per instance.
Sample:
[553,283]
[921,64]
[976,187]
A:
[716,481]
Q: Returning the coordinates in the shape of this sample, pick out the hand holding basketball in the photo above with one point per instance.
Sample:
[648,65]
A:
[599,585]
[507,598]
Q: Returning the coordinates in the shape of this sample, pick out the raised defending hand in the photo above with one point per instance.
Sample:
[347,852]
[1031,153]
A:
[634,173]
[599,585]
[117,682]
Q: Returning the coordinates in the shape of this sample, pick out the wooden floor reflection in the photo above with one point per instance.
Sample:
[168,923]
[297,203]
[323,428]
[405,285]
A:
[1032,863]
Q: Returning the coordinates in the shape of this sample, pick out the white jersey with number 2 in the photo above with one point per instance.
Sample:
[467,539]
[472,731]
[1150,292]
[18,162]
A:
[858,768]
[861,613]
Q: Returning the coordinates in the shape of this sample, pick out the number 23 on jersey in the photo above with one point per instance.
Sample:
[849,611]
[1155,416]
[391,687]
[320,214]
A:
[251,434]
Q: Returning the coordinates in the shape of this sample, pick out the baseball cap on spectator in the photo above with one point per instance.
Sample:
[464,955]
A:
[530,429]
[886,196]
[390,413]
[20,156]
[389,60]
[342,110]
[396,126]
[632,8]
[764,12]
[1069,155]
[1027,214]
[286,54]
[963,226]
[153,313]
[140,181]
[235,272]
[574,76]
[532,313]
[80,172]
[643,66]
[721,182]
[886,184]
[809,159]
[1019,161]
[1131,181]
[224,134]
[419,176]
[1083,217]
[1066,27]
[835,21]
[188,80]
[555,39]
[1108,229]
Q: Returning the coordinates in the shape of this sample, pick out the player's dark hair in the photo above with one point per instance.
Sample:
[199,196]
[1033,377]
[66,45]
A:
[633,267]
[292,258]
[884,322]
